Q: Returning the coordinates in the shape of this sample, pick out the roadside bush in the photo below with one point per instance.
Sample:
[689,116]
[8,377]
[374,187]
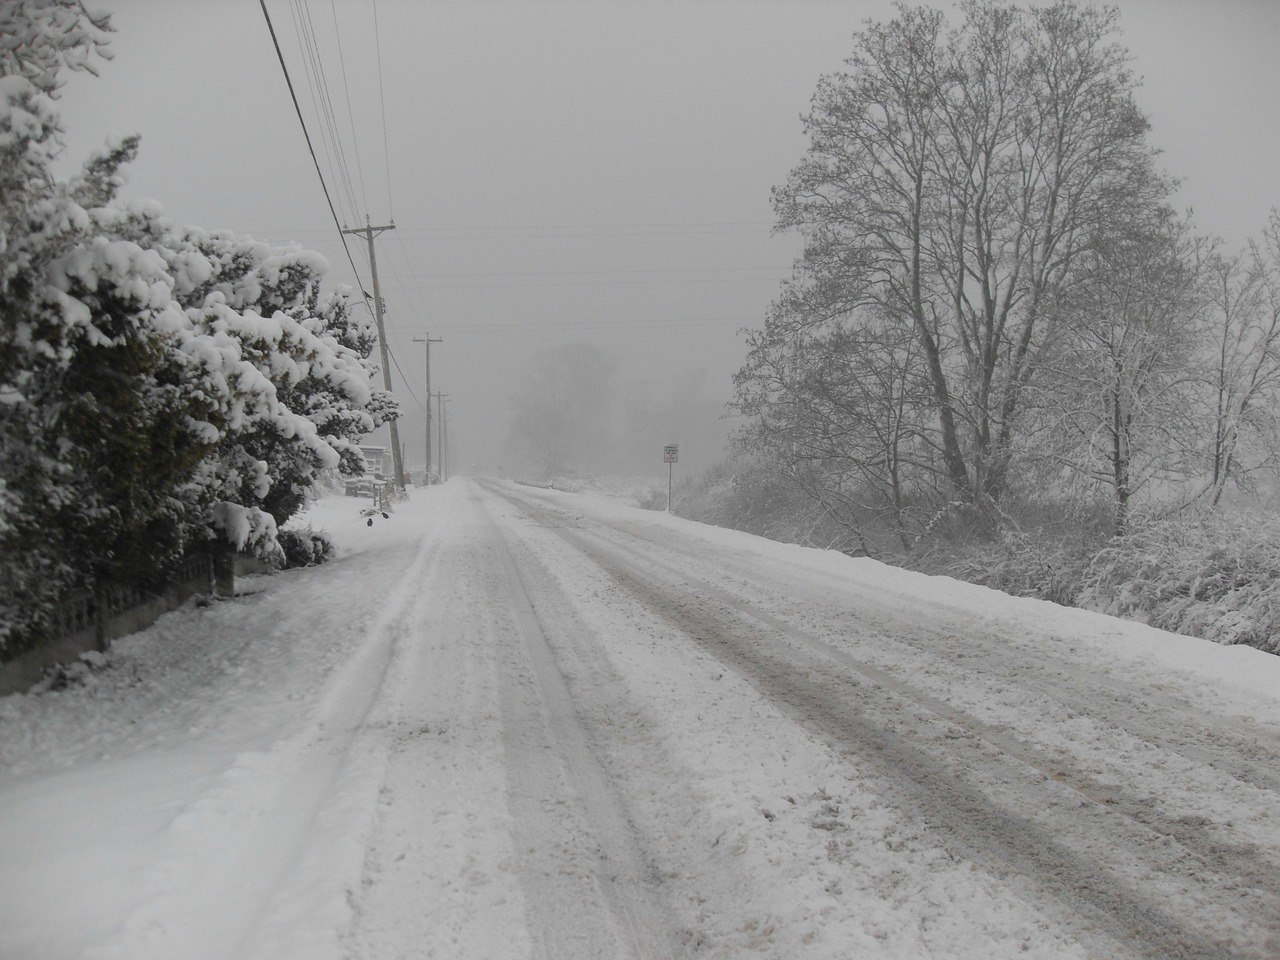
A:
[746,495]
[305,548]
[161,388]
[1026,565]
[1206,574]
[654,498]
[1217,578]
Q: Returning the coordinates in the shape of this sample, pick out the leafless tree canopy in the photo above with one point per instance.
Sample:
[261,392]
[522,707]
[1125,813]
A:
[994,281]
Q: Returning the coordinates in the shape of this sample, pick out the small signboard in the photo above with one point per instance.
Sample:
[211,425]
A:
[671,453]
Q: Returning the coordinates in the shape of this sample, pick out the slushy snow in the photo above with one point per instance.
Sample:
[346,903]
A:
[511,722]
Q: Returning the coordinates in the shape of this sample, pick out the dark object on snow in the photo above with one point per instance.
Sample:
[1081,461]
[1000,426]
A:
[305,548]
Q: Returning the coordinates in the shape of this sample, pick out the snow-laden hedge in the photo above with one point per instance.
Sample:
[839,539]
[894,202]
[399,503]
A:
[1217,578]
[305,548]
[1026,565]
[162,389]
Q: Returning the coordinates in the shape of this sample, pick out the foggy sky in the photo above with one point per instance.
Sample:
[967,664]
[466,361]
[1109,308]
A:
[582,171]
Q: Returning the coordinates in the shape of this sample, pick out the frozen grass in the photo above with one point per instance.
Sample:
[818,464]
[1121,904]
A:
[1025,565]
[635,491]
[1218,578]
[1209,575]
[1213,576]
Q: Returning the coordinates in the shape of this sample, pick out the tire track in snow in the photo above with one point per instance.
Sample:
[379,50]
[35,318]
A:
[286,808]
[1229,861]
[539,718]
[1238,748]
[1081,879]
[942,793]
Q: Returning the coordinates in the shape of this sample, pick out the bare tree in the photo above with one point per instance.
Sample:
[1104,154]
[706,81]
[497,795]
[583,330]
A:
[953,180]
[1120,398]
[562,409]
[844,412]
[1242,339]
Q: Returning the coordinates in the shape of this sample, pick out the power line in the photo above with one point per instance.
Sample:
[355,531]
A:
[595,325]
[403,379]
[471,233]
[355,140]
[602,283]
[593,226]
[328,101]
[306,28]
[386,151]
[311,147]
[421,317]
[308,71]
[591,273]
[324,108]
[422,297]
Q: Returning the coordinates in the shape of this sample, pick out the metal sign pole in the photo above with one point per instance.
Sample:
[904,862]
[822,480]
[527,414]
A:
[670,454]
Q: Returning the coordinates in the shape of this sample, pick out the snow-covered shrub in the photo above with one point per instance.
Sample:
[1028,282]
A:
[749,495]
[1048,567]
[655,498]
[312,354]
[1215,578]
[95,425]
[159,387]
[305,548]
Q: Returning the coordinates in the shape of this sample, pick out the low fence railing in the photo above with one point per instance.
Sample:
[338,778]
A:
[90,619]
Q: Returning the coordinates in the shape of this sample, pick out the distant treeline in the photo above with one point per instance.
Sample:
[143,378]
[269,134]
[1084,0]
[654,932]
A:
[997,305]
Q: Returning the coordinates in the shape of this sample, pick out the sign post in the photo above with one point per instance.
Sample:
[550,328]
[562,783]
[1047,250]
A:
[670,455]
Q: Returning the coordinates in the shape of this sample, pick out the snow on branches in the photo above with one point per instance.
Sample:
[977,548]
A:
[159,387]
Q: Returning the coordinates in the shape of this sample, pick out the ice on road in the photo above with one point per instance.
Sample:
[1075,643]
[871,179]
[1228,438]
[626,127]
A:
[513,723]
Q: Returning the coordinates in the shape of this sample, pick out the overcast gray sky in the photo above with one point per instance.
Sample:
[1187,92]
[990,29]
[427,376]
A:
[582,171]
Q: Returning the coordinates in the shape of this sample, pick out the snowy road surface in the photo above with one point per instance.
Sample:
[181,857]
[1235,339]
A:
[515,723]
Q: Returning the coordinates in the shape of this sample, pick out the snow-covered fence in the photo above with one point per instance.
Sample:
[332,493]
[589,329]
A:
[90,619]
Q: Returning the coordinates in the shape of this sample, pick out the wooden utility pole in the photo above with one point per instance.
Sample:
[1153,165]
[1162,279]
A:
[427,341]
[369,231]
[448,444]
[440,450]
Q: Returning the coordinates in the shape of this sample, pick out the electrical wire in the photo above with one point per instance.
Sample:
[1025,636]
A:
[599,283]
[403,379]
[526,326]
[310,146]
[590,273]
[308,71]
[422,297]
[452,234]
[351,119]
[593,226]
[386,151]
[327,99]
[321,98]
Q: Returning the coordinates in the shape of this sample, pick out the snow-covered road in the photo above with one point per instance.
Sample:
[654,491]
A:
[516,723]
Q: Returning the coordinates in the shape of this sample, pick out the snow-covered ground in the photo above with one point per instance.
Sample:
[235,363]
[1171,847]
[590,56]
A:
[511,722]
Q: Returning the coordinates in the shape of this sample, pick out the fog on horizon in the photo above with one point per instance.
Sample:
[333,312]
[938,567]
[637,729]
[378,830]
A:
[574,179]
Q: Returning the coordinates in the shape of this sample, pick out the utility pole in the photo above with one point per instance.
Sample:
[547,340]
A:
[427,341]
[448,444]
[440,450]
[368,231]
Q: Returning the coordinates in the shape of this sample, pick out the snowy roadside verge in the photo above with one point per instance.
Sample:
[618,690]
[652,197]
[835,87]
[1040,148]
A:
[1229,670]
[771,842]
[182,763]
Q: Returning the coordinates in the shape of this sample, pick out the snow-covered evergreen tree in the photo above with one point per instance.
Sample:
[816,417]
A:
[159,387]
